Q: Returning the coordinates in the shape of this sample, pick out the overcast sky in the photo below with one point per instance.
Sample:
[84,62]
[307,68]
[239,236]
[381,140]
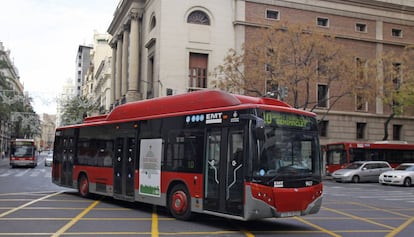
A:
[43,37]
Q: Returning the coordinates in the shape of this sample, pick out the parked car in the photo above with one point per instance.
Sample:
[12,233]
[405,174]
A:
[361,171]
[401,175]
[49,159]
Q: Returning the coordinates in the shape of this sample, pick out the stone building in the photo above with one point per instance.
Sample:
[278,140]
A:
[160,48]
[83,61]
[9,85]
[163,47]
[96,84]
[367,29]
[48,123]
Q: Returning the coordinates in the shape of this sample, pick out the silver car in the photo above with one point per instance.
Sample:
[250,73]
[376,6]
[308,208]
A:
[361,171]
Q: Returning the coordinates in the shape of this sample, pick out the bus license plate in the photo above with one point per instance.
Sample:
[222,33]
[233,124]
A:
[290,213]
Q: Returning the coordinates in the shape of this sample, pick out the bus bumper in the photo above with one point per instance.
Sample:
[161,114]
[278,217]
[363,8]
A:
[22,163]
[264,210]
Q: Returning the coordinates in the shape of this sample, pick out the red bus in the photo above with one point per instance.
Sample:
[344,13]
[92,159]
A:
[206,152]
[339,155]
[23,153]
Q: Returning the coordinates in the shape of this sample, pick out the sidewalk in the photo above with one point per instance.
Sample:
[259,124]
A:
[4,161]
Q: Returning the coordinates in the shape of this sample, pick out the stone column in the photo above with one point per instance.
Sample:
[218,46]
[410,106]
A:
[133,80]
[380,70]
[118,71]
[124,86]
[113,74]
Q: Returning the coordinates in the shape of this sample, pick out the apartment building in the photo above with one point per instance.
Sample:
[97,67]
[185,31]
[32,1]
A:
[9,85]
[96,84]
[163,47]
[83,62]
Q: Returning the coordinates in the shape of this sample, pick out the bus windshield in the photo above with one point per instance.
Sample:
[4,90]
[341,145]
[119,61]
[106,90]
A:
[289,150]
[22,150]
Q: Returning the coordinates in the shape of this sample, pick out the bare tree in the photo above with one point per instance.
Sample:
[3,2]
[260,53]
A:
[292,61]
[396,89]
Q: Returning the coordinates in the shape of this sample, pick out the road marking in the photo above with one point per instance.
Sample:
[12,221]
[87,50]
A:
[28,204]
[331,233]
[247,233]
[154,223]
[400,228]
[379,209]
[6,174]
[358,218]
[22,173]
[75,219]
[34,174]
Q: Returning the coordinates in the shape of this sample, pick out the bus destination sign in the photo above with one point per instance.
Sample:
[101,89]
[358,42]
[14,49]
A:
[286,120]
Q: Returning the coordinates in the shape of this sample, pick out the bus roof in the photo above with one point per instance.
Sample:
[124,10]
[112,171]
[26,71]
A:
[188,102]
[374,145]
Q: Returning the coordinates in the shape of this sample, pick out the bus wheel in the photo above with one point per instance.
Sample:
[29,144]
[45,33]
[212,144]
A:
[83,186]
[407,182]
[355,179]
[179,202]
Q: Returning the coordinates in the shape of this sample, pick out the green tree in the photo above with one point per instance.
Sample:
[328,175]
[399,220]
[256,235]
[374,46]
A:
[76,109]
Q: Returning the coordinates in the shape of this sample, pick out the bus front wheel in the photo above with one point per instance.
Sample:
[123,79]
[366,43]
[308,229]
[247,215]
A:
[83,186]
[180,202]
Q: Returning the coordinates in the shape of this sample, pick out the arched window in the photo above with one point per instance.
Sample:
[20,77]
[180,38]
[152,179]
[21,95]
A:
[198,17]
[153,22]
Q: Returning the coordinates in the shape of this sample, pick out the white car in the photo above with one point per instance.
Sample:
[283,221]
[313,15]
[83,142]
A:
[402,175]
[49,159]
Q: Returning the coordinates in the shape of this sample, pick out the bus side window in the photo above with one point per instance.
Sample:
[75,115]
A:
[183,150]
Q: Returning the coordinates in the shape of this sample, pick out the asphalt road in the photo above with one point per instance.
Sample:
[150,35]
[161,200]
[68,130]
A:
[30,205]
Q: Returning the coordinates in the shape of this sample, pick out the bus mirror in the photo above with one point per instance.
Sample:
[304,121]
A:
[260,133]
[260,124]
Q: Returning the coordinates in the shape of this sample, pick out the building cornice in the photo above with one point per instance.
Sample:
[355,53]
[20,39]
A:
[339,36]
[363,9]
[359,114]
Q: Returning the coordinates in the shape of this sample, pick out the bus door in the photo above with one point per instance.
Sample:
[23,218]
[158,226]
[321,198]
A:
[68,158]
[224,166]
[124,166]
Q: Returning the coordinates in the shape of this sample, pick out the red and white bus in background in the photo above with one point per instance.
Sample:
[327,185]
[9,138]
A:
[23,153]
[206,152]
[341,154]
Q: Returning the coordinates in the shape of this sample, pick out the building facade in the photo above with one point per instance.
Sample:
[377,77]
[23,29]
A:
[96,84]
[157,51]
[48,123]
[366,29]
[10,89]
[164,47]
[69,90]
[83,61]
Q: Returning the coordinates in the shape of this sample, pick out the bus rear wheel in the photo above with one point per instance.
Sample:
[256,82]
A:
[83,186]
[179,202]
